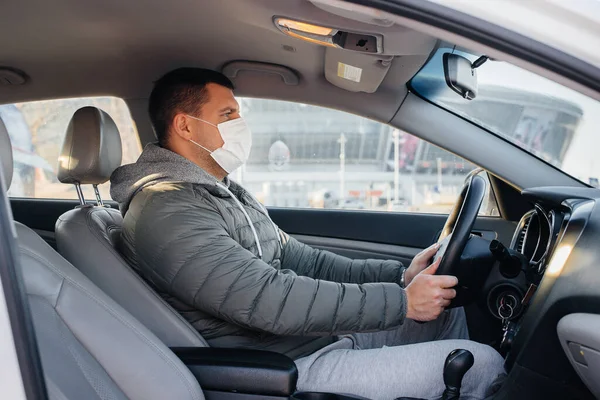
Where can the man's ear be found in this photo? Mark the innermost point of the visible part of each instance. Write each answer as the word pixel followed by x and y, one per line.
pixel 180 126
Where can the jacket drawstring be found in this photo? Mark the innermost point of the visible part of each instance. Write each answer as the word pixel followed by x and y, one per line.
pixel 239 204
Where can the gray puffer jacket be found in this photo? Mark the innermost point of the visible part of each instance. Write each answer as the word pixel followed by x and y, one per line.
pixel 211 250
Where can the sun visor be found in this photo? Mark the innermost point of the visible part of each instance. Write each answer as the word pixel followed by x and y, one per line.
pixel 356 72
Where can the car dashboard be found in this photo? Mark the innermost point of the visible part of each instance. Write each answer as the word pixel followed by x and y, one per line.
pixel 535 239
pixel 558 239
pixel 537 234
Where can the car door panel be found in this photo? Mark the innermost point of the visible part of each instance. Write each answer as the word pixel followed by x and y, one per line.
pixel 359 249
pixel 363 234
pixel 354 234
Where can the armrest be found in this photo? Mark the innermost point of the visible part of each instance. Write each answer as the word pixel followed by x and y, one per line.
pixel 240 370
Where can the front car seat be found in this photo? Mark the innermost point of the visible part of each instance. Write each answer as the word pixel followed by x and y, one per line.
pixel 88 235
pixel 90 347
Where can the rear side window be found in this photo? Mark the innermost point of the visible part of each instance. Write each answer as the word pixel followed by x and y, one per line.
pixel 37 130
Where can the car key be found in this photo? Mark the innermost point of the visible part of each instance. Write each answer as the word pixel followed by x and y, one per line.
pixel 505 311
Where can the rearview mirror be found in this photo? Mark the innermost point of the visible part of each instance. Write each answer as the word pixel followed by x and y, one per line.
pixel 460 75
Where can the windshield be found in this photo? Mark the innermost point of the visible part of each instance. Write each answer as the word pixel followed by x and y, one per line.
pixel 542 117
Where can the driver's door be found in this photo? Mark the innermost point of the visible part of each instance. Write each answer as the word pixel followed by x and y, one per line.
pixel 367 234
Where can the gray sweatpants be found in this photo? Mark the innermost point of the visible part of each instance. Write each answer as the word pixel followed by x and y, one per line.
pixel 363 364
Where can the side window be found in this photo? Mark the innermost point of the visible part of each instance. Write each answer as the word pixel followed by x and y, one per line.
pixel 313 157
pixel 37 130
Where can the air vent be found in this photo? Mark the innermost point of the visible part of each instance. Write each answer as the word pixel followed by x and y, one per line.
pixel 522 235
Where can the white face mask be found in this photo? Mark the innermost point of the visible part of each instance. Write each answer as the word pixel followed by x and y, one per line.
pixel 237 142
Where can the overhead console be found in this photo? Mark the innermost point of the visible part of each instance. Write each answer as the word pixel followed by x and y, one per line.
pixel 356 61
pixel 331 37
pixel 360 47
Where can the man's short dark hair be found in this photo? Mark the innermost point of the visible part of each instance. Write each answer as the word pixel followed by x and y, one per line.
pixel 181 90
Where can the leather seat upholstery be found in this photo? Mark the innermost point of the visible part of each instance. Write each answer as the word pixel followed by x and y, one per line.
pixel 91 149
pixel 88 236
pixel 89 346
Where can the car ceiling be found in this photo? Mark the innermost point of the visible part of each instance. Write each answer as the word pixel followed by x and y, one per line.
pixel 72 48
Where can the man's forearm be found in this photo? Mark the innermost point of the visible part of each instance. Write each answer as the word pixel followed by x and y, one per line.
pixel 320 264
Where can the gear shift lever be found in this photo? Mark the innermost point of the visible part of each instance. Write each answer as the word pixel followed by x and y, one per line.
pixel 457 364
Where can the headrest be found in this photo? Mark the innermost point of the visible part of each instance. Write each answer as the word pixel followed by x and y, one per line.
pixel 6 154
pixel 91 150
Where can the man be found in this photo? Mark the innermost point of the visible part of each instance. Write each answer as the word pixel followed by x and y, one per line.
pixel 211 250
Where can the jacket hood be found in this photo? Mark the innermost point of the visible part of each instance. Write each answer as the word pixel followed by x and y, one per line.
pixel 155 165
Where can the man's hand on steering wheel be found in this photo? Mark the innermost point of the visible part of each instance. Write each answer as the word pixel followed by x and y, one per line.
pixel 429 294
pixel 420 262
pixel 429 290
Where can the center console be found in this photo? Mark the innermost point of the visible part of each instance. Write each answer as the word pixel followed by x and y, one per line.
pixel 242 374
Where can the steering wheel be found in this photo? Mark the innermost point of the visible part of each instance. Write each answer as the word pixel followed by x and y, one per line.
pixel 457 230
